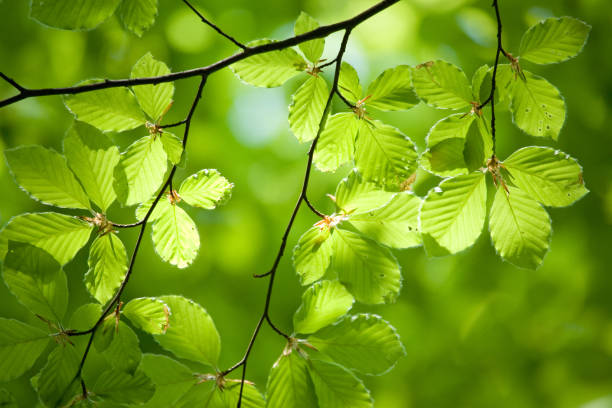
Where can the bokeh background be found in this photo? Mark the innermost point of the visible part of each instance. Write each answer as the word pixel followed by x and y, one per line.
pixel 478 332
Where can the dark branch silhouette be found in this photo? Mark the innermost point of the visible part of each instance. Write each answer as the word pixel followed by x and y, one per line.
pixel 214 26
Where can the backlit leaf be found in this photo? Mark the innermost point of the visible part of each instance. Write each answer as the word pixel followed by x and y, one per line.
pixel 354 195
pixel 312 254
pixel 175 236
pixel 107 267
pixel 153 99
pixel 72 14
pixel 123 388
pixel 149 314
pixel 307 108
pixel 20 346
pixel 336 144
pixel 57 382
pixel 206 189
pixel 336 387
pixel 392 90
pixel 289 383
pixel 322 304
pixel 441 85
pixel 348 83
pixel 137 15
pixel 312 49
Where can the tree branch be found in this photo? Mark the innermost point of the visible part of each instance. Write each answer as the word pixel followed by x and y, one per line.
pixel 214 27
pixel 10 81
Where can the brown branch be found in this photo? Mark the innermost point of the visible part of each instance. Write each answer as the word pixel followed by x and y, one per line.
pixel 213 26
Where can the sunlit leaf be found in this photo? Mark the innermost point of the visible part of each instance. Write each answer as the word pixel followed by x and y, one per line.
pixel 20 346
pixel 149 314
pixel 137 15
pixel 336 387
pixel 312 255
pixel 107 267
pixel 175 236
pixel 354 195
pixel 289 383
pixel 312 49
pixel 206 189
pixel 307 108
pixel 173 146
pixel 72 14
pixel 336 144
pixel 481 83
pixel 348 83
pixel 441 85
pixel 392 90
pixel 322 304
pixel 153 99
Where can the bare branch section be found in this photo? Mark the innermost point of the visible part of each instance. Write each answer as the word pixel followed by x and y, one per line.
pixel 214 26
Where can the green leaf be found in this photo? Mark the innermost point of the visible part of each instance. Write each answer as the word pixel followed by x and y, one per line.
pixel 481 83
pixel 395 224
pixel 37 280
pixel 105 334
pixel 107 267
pixel 364 342
pixel 312 49
pixel 520 228
pixel 149 314
pixel 336 143
pixel 137 15
pixel 171 378
pixel 175 237
pixel 336 387
pixel 354 195
pixel 72 14
pixel 7 400
pixel 251 397
pixel 370 272
pixel 60 235
pixel 92 157
pixel 173 146
pixel 554 40
pixel 123 388
pixel 57 381
pixel 20 346
pixel 453 214
pixel 191 333
pixel 140 171
pixel 307 108
pixel 478 146
pixel 312 255
pixel 269 69
pixel 289 384
pixel 441 85
pixel 153 99
pixel 45 176
pixel 383 154
pixel 206 189
pixel 163 205
pixel 110 110
pixel 123 353
pixel 322 304
pixel 392 90
pixel 547 175
pixel 348 83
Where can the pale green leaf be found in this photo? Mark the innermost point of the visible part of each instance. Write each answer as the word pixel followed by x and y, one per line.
pixel 348 83
pixel 322 304
pixel 307 108
pixel 175 237
pixel 206 189
pixel 85 316
pixel 554 40
pixel 72 14
pixel 354 195
pixel 395 224
pixel 141 170
pixel 289 384
pixel 107 267
pixel 173 146
pixel 478 146
pixel 336 387
pixel 191 333
pixel 312 255
pixel 149 314
pixel 37 280
pixel 392 90
pixel 364 342
pixel 163 205
pixel 137 15
pixel 481 83
pixel 312 49
pixel 92 157
pixel 112 109
pixel 520 228
pixel 171 378
pixel 123 388
pixel 336 144
pixel 269 69
pixel 153 99
pixel 370 272
pixel 123 353
pixel 547 175
pixel 44 174
pixel 20 346
pixel 441 85
pixel 57 382
pixel 251 397
pixel 453 214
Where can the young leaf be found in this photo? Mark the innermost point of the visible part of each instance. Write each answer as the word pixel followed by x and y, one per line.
pixel 312 49
pixel 307 108
pixel 336 144
pixel 191 333
pixel 107 267
pixel 395 224
pixel 520 228
pixel 57 382
pixel 173 146
pixel 322 304
pixel 392 90
pixel 251 397
pixel 45 176
pixel 369 271
pixel 554 40
pixel 105 334
pixel 37 280
pixel 354 195
pixel 124 353
pixel 20 346
pixel 312 254
pixel 92 157
pixel 348 83
pixel 163 206
pixel 140 171
pixel 137 15
pixel 206 189
pixel 441 85
pixel 336 387
pixel 364 342
pixel 60 235
pixel 269 69
pixel 481 83
pixel 149 314
pixel 383 154
pixel 123 388
pixel 289 384
pixel 549 176
pixel 171 378
pixel 110 110
pixel 153 99
pixel 453 214
pixel 175 237
pixel 72 14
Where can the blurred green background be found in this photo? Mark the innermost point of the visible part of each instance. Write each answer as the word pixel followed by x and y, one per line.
pixel 479 332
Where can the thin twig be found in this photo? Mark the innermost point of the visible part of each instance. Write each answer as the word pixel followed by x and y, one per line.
pixel 171 125
pixel 12 82
pixel 213 26
pixel 312 208
pixel 346 101
pixel 135 224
